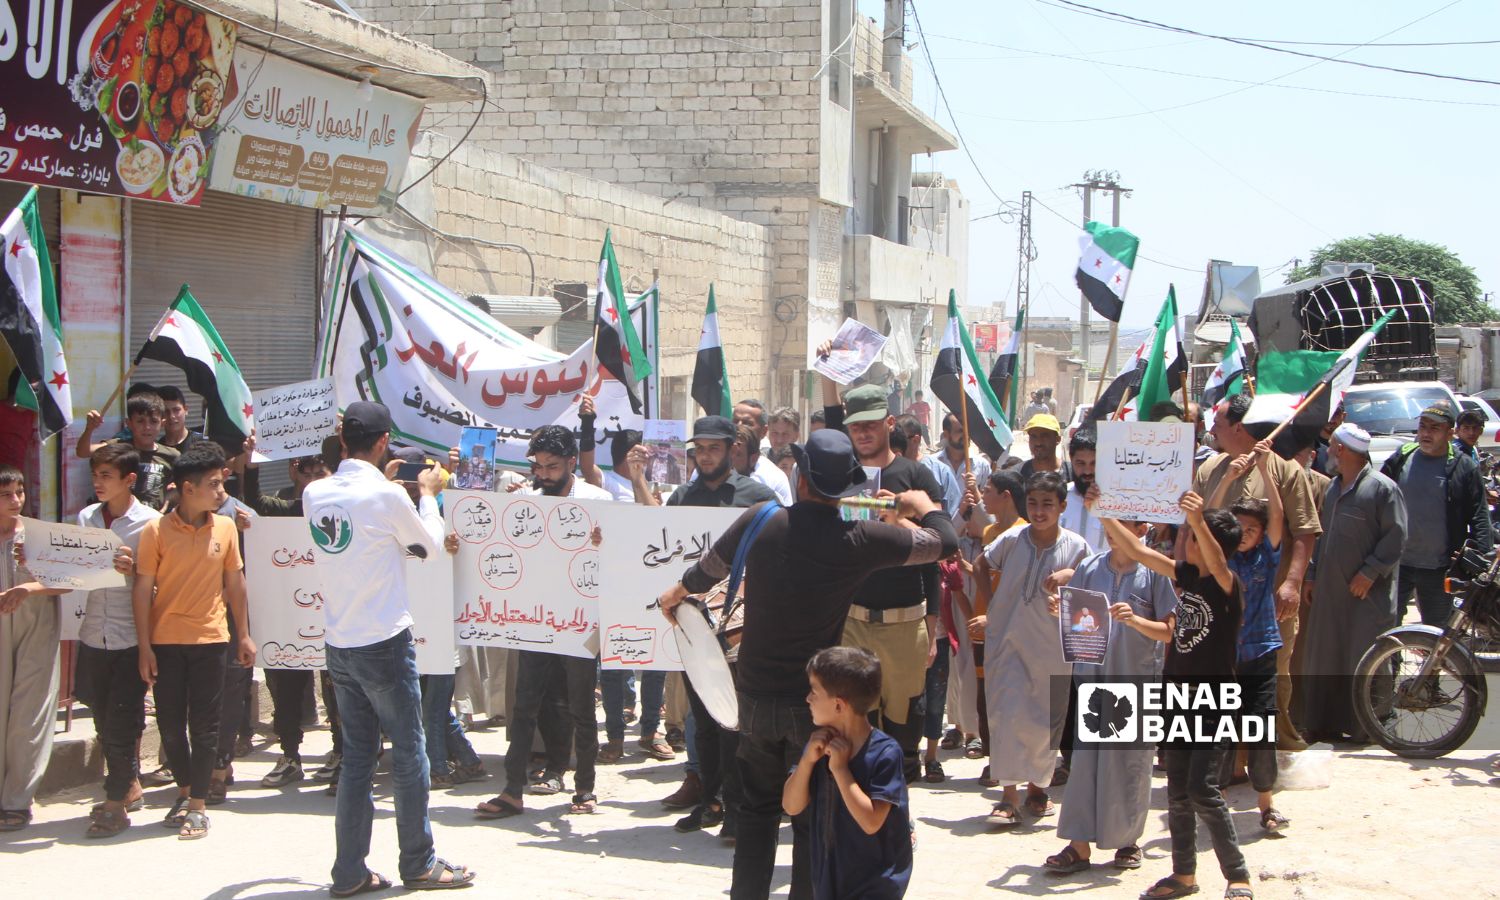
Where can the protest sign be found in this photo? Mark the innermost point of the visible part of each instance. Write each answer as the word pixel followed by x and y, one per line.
pixel 526 575
pixel 1083 622
pixel 71 556
pixel 286 600
pixel 294 419
pixel 1142 470
pixel 476 460
pixel 70 609
pixel 855 348
pixel 644 550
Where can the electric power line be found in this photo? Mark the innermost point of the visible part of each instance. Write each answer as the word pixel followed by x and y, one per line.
pixel 1074 7
pixel 943 95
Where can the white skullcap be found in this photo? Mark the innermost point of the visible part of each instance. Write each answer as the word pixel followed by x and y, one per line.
pixel 1353 437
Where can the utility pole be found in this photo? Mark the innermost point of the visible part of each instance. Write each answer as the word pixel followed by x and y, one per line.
pixel 1024 255
pixel 1108 182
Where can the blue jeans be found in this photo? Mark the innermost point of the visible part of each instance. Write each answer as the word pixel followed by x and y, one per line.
pixel 613 685
pixel 1434 603
pixel 378 691
pixel 445 735
pixel 690 734
pixel 937 691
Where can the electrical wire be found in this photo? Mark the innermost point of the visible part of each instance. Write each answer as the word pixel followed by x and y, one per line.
pixel 1075 7
pixel 943 95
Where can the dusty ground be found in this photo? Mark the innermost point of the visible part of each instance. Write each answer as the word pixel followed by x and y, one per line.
pixel 1386 828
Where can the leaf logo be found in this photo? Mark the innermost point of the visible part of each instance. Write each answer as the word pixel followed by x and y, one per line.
pixel 1107 712
pixel 332 529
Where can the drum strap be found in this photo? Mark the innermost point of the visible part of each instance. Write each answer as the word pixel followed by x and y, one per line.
pixel 741 553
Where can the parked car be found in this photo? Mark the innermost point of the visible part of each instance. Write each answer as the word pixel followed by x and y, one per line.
pixel 1389 411
pixel 1469 403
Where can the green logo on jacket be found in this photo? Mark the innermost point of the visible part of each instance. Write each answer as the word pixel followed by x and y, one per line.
pixel 332 529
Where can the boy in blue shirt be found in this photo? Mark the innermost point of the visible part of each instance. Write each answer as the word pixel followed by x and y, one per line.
pixel 1255 563
pixel 851 779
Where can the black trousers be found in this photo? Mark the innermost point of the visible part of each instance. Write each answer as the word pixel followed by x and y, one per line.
pixel 234 712
pixel 189 689
pixel 773 733
pixel 290 689
pixel 1257 680
pixel 117 696
pixel 1192 794
pixel 717 749
pixel 571 680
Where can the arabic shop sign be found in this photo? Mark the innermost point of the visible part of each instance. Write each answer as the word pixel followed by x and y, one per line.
pixel 305 137
pixel 112 96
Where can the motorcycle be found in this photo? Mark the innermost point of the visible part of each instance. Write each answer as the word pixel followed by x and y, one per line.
pixel 1419 691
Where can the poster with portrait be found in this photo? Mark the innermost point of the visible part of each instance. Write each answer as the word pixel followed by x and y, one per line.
pixel 1083 622
pixel 476 460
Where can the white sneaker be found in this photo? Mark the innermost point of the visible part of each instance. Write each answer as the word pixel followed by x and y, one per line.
pixel 286 772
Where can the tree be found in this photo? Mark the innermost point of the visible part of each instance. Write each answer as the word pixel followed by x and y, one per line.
pixel 1455 287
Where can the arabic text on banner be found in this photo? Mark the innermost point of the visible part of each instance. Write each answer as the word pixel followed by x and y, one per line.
pixel 70 610
pixel 71 556
pixel 1083 621
pixel 286 600
pixel 644 551
pixel 855 347
pixel 396 336
pixel 292 420
pixel 1143 468
pixel 526 575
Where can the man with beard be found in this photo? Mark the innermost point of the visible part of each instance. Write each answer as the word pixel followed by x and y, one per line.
pixel 1043 434
pixel 554 457
pixel 1076 517
pixel 894 617
pixel 959 456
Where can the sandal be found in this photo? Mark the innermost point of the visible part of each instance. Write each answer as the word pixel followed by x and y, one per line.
pixel 550 784
pixel 107 823
pixel 177 814
pixel 218 791
pixel 1239 893
pixel 985 781
pixel 1039 805
pixel 1128 857
pixel 1273 821
pixel 498 808
pixel 657 748
pixel 1067 862
pixel 470 772
pixel 1003 814
pixel 1173 888
pixel 584 804
pixel 974 749
pixel 611 751
pixel 373 882
pixel 458 876
pixel 134 805
pixel 194 825
pixel 14 819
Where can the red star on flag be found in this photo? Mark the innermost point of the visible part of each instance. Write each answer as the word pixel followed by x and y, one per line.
pixel 1126 410
pixel 406 310
pixel 971 378
pixel 614 314
pixel 15 248
pixel 1098 262
pixel 990 422
pixel 218 357
pixel 1117 279
pixel 248 410
pixel 58 379
pixel 171 322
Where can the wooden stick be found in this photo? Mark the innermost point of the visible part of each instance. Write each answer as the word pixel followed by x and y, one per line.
pixel 1312 395
pixel 963 399
pixel 1109 355
pixel 1249 384
pixel 115 395
pixel 1125 397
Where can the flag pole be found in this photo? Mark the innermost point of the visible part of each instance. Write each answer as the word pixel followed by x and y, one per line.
pixel 1109 355
pixel 115 394
pixel 649 399
pixel 125 379
pixel 964 419
pixel 1125 397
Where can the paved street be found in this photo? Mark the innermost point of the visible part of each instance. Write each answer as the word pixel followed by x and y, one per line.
pixel 1387 828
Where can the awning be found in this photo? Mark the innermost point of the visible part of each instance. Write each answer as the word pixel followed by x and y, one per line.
pixel 523 312
pixel 335 42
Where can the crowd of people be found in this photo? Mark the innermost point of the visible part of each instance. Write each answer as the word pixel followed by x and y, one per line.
pixel 857 640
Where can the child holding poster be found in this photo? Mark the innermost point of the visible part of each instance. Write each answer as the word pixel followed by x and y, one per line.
pixel 109 677
pixel 1109 787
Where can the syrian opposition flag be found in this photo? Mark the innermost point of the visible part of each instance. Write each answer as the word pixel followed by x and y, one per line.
pixel 1228 377
pixel 1284 390
pixel 1126 385
pixel 186 339
pixel 1003 380
pixel 1166 366
pixel 710 378
pixel 29 320
pixel 1108 255
pixel 956 382
pixel 618 345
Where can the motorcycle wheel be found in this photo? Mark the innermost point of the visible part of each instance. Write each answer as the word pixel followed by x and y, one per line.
pixel 1436 718
pixel 1484 642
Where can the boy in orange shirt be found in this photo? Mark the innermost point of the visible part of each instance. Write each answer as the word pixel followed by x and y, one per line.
pixel 188 573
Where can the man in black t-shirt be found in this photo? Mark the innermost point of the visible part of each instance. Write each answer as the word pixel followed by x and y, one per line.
pixel 805 566
pixel 894 617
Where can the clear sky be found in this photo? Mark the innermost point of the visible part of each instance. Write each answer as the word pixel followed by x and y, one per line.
pixel 1222 166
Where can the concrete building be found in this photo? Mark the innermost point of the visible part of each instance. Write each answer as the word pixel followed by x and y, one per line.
pixel 794 121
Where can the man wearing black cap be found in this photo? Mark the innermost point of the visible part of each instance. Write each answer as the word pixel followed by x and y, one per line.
pixel 717 485
pixel 363 528
pixel 805 566
pixel 1445 506
pixel 896 617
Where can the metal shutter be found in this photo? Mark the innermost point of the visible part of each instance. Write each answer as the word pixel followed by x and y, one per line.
pixel 251 264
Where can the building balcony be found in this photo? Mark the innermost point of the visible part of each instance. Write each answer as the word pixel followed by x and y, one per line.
pixel 887 272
